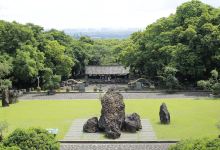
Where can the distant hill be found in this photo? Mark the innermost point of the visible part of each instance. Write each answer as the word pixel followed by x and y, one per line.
pixel 103 33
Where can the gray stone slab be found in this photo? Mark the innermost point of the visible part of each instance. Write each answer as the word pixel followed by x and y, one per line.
pixel 75 133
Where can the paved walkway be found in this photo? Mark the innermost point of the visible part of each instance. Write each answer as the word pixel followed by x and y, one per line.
pixel 75 133
pixel 72 96
pixel 115 146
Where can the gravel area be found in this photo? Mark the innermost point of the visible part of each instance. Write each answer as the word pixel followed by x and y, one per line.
pixel 137 95
pixel 115 146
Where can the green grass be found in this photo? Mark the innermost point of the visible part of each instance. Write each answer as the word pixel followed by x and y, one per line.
pixel 189 118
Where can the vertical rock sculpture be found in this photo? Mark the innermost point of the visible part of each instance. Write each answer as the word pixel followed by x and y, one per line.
pixel 5 98
pixel 13 96
pixel 112 114
pixel 112 120
pixel 164 114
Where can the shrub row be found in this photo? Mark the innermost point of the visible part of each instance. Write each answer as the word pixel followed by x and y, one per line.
pixel 197 144
pixel 30 139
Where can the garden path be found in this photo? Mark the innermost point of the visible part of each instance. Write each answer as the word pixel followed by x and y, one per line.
pixel 129 95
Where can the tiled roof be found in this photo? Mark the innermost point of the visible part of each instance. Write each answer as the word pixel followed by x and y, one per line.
pixel 102 70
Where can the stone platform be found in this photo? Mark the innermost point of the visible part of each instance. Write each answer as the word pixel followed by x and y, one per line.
pixel 145 139
pixel 76 133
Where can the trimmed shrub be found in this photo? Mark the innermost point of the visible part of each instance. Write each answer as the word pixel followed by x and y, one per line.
pixel 9 148
pixel 214 74
pixel 197 144
pixel 216 89
pixel 171 82
pixel 52 82
pixel 204 84
pixel 212 84
pixel 34 139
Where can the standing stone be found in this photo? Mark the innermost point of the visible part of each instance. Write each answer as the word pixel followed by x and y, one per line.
pixel 138 86
pixel 164 114
pixel 13 96
pixel 91 125
pixel 112 114
pixel 81 87
pixel 5 98
pixel 132 123
pixel 112 120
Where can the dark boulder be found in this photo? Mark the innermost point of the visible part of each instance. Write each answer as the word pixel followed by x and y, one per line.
pixel 132 123
pixel 164 114
pixel 112 114
pixel 91 125
pixel 5 98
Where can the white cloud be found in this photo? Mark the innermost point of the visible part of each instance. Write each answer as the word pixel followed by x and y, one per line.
pixel 89 13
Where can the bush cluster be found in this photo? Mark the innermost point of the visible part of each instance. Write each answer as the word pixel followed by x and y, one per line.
pixel 31 139
pixel 197 144
pixel 213 83
pixel 9 148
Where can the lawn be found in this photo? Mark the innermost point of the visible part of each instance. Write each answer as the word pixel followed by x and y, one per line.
pixel 189 117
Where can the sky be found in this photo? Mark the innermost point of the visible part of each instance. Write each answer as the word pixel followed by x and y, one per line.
pixel 72 14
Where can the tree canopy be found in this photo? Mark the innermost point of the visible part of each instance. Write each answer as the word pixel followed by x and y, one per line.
pixel 28 51
pixel 188 41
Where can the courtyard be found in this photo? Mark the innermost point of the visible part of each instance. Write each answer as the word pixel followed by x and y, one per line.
pixel 190 117
pixel 123 75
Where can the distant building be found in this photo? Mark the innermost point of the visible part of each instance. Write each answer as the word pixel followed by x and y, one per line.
pixel 107 74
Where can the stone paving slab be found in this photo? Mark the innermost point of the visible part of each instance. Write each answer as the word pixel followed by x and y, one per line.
pixel 75 133
pixel 115 146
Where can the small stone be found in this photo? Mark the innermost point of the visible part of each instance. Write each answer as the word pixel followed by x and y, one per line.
pixel 164 114
pixel 132 123
pixel 91 125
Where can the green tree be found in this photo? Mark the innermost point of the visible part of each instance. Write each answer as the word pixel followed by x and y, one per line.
pixel 13 35
pixel 171 81
pixel 50 81
pixel 27 63
pixel 5 70
pixel 57 60
pixel 187 40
